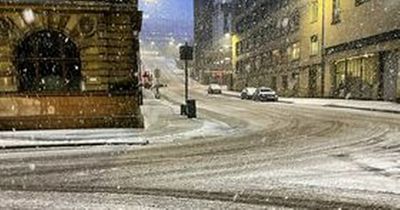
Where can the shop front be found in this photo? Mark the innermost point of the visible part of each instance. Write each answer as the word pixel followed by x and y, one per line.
pixel 358 77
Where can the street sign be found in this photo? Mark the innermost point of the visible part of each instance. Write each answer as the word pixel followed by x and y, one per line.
pixel 186 52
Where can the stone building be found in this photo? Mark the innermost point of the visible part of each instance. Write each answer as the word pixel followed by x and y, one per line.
pixel 202 36
pixel 318 48
pixel 266 44
pixel 213 48
pixel 69 64
pixel 362 49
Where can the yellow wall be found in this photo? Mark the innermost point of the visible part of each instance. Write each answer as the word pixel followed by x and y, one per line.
pixel 357 22
pixel 235 40
pixel 309 28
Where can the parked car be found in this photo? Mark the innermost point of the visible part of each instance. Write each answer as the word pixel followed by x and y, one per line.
pixel 265 94
pixel 214 89
pixel 247 93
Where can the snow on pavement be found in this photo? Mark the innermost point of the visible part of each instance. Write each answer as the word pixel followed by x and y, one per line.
pixel 163 124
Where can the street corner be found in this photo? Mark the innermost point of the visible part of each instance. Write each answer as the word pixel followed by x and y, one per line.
pixel 174 127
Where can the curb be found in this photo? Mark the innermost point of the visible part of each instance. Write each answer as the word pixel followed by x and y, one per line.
pixel 331 105
pixel 362 108
pixel 38 146
pixel 237 96
pixel 269 198
pixel 230 95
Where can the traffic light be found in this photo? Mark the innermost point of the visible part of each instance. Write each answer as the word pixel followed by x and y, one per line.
pixel 186 52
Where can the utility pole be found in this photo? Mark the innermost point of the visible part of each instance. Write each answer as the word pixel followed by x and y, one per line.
pixel 186 77
pixel 323 63
pixel 157 74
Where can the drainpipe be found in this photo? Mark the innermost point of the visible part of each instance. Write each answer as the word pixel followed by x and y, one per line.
pixel 323 62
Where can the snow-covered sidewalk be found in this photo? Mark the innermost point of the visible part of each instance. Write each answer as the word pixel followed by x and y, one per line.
pixel 163 125
pixel 67 138
pixel 380 106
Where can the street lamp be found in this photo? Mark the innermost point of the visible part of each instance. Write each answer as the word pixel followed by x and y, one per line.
pixel 28 16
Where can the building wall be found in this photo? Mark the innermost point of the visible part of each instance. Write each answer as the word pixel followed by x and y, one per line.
pixel 366 29
pixel 106 36
pixel 398 77
pixel 202 35
pixel 310 26
pixel 213 40
pixel 356 22
pixel 106 51
pixel 311 59
pixel 363 30
pixel 390 73
pixel 267 30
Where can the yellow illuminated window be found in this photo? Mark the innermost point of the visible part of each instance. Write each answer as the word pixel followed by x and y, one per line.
pixel 294 51
pixel 314 45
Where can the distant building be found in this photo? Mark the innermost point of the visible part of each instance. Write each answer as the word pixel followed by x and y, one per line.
pixel 266 44
pixel 213 41
pixel 69 64
pixel 319 48
pixel 165 36
pixel 163 32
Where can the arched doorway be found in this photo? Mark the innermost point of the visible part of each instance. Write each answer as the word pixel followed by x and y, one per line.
pixel 48 61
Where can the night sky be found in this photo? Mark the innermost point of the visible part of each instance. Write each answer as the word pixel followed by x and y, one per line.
pixel 167 16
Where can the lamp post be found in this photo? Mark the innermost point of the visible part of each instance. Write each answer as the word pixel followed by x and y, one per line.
pixel 323 63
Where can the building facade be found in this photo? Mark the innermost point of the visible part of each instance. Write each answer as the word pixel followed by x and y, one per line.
pixel 266 45
pixel 365 62
pixel 318 48
pixel 213 48
pixel 69 65
pixel 202 36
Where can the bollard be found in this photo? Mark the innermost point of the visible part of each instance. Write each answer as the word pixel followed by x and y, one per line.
pixel 183 109
pixel 191 108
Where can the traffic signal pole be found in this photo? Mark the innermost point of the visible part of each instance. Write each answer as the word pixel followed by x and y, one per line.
pixel 186 79
pixel 189 106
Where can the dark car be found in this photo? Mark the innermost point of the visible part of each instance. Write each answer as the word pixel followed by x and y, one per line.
pixel 247 93
pixel 265 94
pixel 214 89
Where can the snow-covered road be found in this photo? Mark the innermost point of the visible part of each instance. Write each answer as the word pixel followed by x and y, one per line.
pixel 277 154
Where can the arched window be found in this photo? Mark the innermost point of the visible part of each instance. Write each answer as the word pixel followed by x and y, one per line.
pixel 48 61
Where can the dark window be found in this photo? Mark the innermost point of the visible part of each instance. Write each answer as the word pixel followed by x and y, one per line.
pixel 295 20
pixel 48 61
pixel 273 83
pixel 227 24
pixel 285 83
pixel 359 2
pixel 238 48
pixel 336 11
